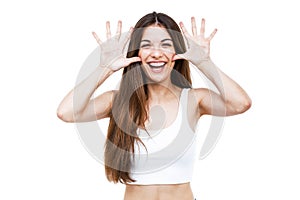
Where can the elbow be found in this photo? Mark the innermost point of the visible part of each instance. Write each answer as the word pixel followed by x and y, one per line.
pixel 64 116
pixel 238 107
pixel 243 106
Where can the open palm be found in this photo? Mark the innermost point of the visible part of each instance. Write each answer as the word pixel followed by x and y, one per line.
pixel 198 46
pixel 112 50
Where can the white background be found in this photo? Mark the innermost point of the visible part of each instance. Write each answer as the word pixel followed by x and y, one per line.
pixel 43 45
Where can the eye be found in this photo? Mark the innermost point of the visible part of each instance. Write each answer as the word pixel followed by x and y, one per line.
pixel 145 46
pixel 166 45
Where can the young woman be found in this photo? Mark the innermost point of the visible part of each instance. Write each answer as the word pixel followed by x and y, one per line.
pixel 153 115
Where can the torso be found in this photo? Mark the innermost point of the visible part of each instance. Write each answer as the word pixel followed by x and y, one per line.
pixel 159 192
pixel 167 191
pixel 171 105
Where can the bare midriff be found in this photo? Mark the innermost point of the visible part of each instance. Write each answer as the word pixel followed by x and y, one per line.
pixel 159 192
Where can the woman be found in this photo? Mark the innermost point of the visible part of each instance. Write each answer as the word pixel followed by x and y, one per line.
pixel 150 142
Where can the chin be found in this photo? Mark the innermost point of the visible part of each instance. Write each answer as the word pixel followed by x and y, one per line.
pixel 158 78
pixel 157 74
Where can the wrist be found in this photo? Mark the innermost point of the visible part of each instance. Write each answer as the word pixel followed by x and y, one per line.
pixel 102 73
pixel 105 69
pixel 204 63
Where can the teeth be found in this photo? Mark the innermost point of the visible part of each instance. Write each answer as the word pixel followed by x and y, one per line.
pixel 157 64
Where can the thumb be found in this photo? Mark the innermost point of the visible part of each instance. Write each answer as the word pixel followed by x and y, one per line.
pixel 178 57
pixel 133 59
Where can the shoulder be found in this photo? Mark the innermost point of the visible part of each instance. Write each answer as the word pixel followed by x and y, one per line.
pixel 110 93
pixel 199 93
pixel 107 96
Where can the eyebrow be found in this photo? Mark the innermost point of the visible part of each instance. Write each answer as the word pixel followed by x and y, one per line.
pixel 167 39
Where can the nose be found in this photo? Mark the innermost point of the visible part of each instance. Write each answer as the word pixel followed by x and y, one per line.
pixel 156 53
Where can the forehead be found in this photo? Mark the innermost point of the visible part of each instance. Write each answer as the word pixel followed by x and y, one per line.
pixel 155 33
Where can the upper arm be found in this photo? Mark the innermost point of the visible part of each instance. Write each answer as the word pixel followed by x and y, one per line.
pixel 97 108
pixel 211 103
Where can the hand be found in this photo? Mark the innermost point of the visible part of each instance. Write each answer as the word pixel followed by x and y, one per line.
pixel 112 55
pixel 198 47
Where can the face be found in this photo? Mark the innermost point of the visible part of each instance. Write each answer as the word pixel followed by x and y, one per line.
pixel 156 52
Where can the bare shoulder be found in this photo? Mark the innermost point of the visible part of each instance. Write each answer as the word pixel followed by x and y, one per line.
pixel 200 98
pixel 107 96
pixel 103 103
pixel 199 93
pixel 111 93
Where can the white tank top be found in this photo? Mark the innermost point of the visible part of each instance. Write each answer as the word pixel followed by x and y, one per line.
pixel 170 152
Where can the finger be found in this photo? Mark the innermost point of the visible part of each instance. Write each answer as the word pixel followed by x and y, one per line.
pixel 185 32
pixel 178 57
pixel 127 37
pixel 212 34
pixel 133 59
pixel 97 38
pixel 108 33
pixel 194 27
pixel 119 29
pixel 202 29
pixel 125 40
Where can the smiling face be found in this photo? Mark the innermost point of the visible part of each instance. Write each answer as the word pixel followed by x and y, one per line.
pixel 156 52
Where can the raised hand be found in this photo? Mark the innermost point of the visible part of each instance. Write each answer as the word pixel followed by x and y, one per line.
pixel 112 54
pixel 198 46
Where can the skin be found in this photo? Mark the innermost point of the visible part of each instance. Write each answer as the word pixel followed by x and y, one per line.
pixel 156 47
pixel 159 192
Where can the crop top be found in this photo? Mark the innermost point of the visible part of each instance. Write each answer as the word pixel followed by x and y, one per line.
pixel 170 152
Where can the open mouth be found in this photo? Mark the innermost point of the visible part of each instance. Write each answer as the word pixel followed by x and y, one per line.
pixel 156 67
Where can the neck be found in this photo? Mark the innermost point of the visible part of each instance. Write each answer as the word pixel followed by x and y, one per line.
pixel 158 91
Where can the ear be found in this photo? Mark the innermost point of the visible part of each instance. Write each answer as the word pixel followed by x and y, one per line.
pixel 178 57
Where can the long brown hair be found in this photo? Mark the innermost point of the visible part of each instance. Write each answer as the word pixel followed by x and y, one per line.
pixel 129 108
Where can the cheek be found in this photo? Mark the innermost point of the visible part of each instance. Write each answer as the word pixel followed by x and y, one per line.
pixel 170 56
pixel 143 54
pixel 169 53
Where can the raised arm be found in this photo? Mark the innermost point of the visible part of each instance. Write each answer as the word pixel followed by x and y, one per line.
pixel 112 59
pixel 232 98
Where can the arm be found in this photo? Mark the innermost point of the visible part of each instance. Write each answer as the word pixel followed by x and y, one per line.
pixel 84 108
pixel 231 99
pixel 77 106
